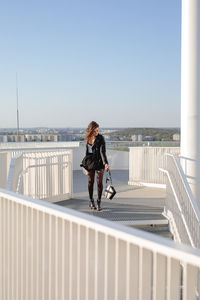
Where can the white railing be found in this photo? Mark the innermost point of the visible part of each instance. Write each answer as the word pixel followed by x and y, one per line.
pixel 5 159
pixel 15 171
pixel 144 164
pixel 50 252
pixel 181 207
pixel 42 174
pixel 31 146
pixel 9 150
pixel 127 144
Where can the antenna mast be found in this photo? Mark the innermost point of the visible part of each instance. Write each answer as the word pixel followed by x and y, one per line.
pixel 17 105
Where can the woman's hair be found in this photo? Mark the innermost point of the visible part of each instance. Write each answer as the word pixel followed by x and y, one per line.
pixel 90 130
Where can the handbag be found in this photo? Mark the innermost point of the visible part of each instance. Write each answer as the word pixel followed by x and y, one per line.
pixel 109 190
pixel 85 172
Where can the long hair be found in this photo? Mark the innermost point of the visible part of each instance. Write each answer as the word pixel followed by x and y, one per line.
pixel 90 130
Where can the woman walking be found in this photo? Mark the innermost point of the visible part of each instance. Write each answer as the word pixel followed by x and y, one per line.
pixel 95 146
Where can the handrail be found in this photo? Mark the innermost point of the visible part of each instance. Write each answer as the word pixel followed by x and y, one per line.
pixel 187 187
pixel 12 170
pixel 54 182
pixel 185 202
pixel 179 206
pixel 146 239
pixel 31 146
pixel 64 254
pixel 23 172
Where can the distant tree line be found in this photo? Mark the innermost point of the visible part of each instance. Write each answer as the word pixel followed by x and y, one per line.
pixel 159 134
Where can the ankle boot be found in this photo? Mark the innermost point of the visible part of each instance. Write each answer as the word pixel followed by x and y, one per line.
pixel 99 205
pixel 91 204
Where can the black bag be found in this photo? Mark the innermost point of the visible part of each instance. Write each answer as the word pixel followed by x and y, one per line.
pixel 88 162
pixel 109 190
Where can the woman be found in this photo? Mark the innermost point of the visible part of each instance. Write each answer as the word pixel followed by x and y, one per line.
pixel 95 146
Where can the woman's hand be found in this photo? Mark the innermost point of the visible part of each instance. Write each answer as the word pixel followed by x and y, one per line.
pixel 107 167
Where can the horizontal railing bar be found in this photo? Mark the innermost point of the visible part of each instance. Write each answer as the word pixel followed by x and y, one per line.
pixel 48 164
pixel 59 154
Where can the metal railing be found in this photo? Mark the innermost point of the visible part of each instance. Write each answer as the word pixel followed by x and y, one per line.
pixel 42 174
pixel 31 146
pixel 50 252
pixel 15 171
pixel 181 207
pixel 5 159
pixel 9 150
pixel 144 164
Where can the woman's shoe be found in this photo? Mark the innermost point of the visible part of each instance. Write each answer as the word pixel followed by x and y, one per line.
pixel 91 204
pixel 99 205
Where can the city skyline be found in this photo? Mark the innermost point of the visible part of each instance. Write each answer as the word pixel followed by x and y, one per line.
pixel 116 63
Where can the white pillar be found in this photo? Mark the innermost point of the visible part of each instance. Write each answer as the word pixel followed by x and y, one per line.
pixel 190 92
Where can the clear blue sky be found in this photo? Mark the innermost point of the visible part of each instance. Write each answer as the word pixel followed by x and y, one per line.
pixel 113 61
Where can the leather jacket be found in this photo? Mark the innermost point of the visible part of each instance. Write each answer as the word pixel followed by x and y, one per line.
pixel 99 152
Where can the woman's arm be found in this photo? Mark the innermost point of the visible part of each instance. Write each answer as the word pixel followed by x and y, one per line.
pixel 86 149
pixel 103 153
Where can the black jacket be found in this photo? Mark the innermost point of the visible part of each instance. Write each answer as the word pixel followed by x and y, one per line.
pixel 99 152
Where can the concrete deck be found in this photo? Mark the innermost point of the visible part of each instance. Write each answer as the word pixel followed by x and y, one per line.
pixel 132 205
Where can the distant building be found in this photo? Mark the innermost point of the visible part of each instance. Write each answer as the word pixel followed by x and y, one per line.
pixel 65 137
pixel 134 138
pixel 137 138
pixel 59 138
pixel 105 131
pixel 12 138
pixel 20 138
pixel 3 138
pixel 140 137
pixel 149 138
pixel 176 137
pixel 107 137
pixel 54 138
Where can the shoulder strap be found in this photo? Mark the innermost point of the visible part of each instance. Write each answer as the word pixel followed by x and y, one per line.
pixel 108 176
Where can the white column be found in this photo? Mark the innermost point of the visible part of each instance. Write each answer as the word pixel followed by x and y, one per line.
pixel 190 92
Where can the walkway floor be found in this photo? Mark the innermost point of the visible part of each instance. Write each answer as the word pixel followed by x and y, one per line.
pixel 132 205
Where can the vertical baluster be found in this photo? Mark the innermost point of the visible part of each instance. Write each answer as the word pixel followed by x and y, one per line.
pixel 1 248
pixel 78 262
pixel 111 259
pixel 67 259
pixel 134 274
pixel 173 279
pixel 106 269
pixel 63 261
pixel 70 261
pixel 56 245
pixel 128 262
pixel 145 274
pixel 4 247
pixel 159 276
pixel 190 282
pixel 91 264
pixel 121 270
pixel 83 262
